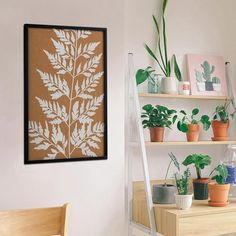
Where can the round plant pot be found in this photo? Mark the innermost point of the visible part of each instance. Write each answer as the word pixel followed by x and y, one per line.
pixel 220 130
pixel 193 132
pixel 200 188
pixel 157 134
pixel 183 202
pixel 169 85
pixel 218 194
pixel 163 194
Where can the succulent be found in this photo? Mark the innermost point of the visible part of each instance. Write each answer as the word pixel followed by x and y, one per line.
pixel 207 71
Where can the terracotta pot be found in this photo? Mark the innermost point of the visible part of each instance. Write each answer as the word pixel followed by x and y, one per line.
pixel 193 132
pixel 220 130
pixel 156 134
pixel 218 194
pixel 200 188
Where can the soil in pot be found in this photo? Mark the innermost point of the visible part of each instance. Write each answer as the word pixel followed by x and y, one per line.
pixel 193 132
pixel 200 188
pixel 163 194
pixel 156 134
pixel 218 194
pixel 220 130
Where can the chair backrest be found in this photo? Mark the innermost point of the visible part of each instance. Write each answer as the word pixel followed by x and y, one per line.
pixel 34 222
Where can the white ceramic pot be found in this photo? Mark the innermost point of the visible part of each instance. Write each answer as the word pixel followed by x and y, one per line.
pixel 201 86
pixel 183 202
pixel 169 85
pixel 216 87
pixel 184 87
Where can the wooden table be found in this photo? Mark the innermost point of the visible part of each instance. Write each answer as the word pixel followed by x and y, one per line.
pixel 200 219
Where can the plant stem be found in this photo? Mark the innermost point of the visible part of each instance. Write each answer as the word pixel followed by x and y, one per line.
pixel 71 93
pixel 168 168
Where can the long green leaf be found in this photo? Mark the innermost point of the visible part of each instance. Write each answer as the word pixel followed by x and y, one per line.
pixel 176 69
pixel 159 40
pixel 164 6
pixel 165 39
pixel 155 58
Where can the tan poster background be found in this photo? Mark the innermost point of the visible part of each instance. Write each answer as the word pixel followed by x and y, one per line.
pixel 66 94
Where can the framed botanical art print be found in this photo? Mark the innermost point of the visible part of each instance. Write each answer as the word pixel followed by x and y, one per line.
pixel 65 97
pixel 207 75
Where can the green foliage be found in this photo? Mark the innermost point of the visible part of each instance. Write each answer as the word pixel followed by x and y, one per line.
pixel 222 112
pixel 207 71
pixel 182 182
pixel 222 174
pixel 142 75
pixel 199 161
pixel 162 58
pixel 158 116
pixel 199 77
pixel 216 80
pixel 183 123
pixel 176 68
pixel 173 160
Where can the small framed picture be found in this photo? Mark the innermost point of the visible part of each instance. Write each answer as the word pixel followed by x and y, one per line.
pixel 65 95
pixel 207 75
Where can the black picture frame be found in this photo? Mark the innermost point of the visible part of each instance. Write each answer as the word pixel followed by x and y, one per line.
pixel 27 28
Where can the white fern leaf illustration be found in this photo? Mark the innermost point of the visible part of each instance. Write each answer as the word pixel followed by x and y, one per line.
pixel 53 111
pixel 88 49
pixel 57 63
pixel 55 84
pixel 75 110
pixel 83 34
pixel 89 109
pixel 60 48
pixel 62 36
pixel 90 66
pixel 88 85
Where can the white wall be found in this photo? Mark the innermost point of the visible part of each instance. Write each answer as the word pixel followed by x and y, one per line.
pixel 94 189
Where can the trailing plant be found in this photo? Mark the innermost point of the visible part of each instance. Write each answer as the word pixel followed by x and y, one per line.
pixel 222 174
pixel 182 182
pixel 70 106
pixel 183 123
pixel 222 112
pixel 158 116
pixel 199 161
pixel 173 160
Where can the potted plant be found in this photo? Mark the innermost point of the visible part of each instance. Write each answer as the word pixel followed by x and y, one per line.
pixel 183 198
pixel 220 123
pixel 156 118
pixel 200 185
pixel 150 75
pixel 190 125
pixel 219 190
pixel 165 193
pixel 169 83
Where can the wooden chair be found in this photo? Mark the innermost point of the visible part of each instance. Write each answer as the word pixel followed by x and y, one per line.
pixel 34 222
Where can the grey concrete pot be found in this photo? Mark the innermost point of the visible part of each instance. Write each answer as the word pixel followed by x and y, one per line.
pixel 163 194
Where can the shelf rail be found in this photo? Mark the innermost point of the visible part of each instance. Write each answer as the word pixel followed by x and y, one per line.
pixel 134 119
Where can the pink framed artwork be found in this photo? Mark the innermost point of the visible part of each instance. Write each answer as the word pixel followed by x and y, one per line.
pixel 207 75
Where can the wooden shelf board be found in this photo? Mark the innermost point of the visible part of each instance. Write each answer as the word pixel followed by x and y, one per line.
pixel 179 143
pixel 156 95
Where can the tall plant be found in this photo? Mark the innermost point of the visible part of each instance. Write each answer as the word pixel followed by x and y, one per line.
pixel 162 58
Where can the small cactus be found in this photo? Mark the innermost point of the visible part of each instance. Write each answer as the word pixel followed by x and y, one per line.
pixel 199 76
pixel 207 71
pixel 216 80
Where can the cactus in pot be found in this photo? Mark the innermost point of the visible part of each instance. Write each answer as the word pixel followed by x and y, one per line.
pixel 207 72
